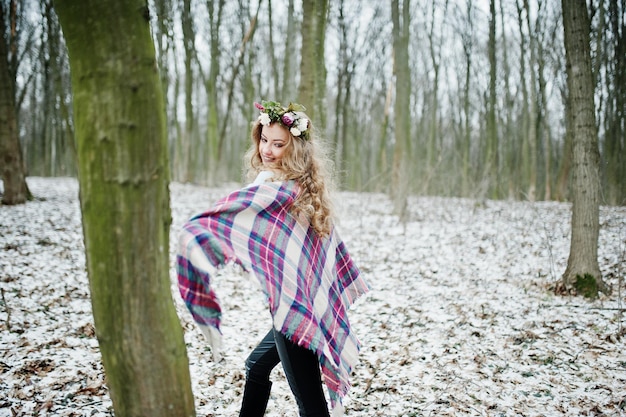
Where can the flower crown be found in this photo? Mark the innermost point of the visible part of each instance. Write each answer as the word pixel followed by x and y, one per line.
pixel 292 117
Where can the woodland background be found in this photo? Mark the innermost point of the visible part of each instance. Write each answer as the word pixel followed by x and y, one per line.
pixel 487 100
pixel 485 85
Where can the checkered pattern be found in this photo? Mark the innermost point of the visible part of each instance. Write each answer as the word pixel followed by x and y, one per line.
pixel 309 282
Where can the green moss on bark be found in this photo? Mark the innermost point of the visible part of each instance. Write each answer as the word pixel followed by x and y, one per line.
pixel 586 285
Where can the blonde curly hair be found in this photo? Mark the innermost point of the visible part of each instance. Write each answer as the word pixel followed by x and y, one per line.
pixel 306 162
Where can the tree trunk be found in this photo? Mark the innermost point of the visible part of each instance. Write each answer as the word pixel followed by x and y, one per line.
pixel 582 272
pixel 165 49
pixel 13 171
pixel 402 108
pixel 545 132
pixel 565 163
pixel 289 59
pixel 272 48
pixel 312 90
pixel 519 151
pixel 57 134
pixel 341 100
pixel 614 145
pixel 193 154
pixel 230 88
pixel 433 153
pixel 467 40
pixel 492 159
pixel 531 134
pixel 123 175
pixel 213 115
pixel 510 165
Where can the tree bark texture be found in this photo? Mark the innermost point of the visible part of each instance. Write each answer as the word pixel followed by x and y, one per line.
pixel 12 164
pixel 614 145
pixel 289 60
pixel 213 116
pixel 585 185
pixel 193 152
pixel 531 135
pixel 402 107
pixel 312 87
pixel 123 176
pixel 492 157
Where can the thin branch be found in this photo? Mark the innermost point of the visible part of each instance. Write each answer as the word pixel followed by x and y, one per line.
pixel 231 85
pixel 591 308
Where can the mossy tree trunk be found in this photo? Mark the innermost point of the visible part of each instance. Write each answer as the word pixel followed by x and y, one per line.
pixel 585 186
pixel 123 175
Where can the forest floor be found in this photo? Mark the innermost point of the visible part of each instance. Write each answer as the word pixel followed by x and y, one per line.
pixel 462 319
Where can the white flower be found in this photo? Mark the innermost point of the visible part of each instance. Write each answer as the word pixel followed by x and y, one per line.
pixel 295 131
pixel 303 124
pixel 264 118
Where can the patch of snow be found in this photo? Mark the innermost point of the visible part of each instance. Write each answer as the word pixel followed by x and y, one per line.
pixel 461 319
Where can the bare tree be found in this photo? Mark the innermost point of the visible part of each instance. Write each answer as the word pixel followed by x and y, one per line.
pixel 497 125
pixel 582 272
pixel 402 107
pixel 123 177
pixel 247 38
pixel 434 34
pixel 491 158
pixel 613 58
pixel 346 148
pixel 509 130
pixel 312 89
pixel 13 170
pixel 192 153
pixel 289 58
pixel 533 110
pixel 55 130
pixel 467 41
pixel 216 9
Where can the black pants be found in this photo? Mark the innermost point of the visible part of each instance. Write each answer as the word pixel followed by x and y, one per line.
pixel 301 368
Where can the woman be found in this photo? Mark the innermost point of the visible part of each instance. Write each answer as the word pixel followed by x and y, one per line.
pixel 281 229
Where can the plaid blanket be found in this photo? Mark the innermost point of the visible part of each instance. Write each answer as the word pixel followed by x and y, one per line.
pixel 309 282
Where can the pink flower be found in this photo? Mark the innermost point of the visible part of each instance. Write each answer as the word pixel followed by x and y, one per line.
pixel 288 119
pixel 258 106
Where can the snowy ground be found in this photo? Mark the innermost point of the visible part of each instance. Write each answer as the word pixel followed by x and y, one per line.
pixel 461 320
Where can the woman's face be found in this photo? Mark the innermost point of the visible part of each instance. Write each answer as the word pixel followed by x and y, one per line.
pixel 273 143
